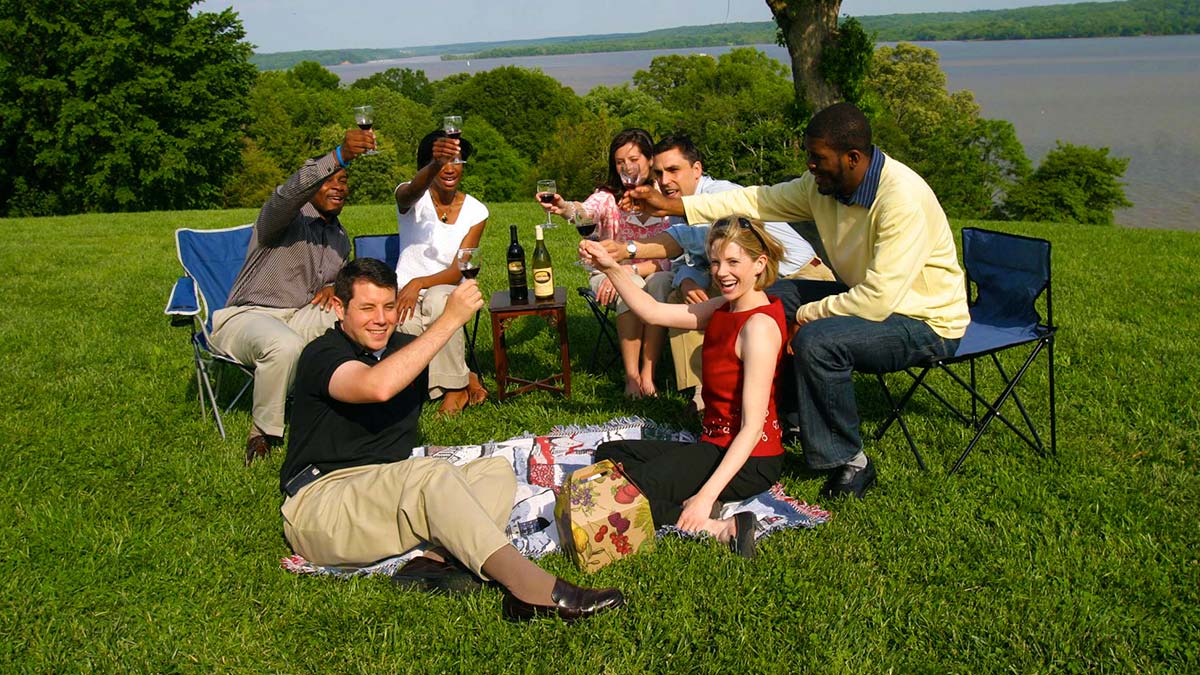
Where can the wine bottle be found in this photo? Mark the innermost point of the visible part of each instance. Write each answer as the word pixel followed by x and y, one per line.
pixel 543 274
pixel 518 291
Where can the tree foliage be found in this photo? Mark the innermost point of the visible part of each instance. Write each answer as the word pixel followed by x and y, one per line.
pixel 523 105
pixel 412 84
pixel 970 162
pixel 1073 184
pixel 117 106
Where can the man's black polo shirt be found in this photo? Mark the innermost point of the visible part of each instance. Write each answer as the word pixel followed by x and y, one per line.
pixel 334 435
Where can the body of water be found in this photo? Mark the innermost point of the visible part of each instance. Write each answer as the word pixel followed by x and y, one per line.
pixel 1137 96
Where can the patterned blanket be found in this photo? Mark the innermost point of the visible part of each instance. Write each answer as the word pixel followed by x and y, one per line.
pixel 542 464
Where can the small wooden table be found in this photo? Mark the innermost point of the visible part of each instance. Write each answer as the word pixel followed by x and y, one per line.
pixel 554 312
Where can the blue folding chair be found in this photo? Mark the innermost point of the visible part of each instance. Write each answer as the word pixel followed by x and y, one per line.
pixel 211 261
pixel 1006 274
pixel 386 247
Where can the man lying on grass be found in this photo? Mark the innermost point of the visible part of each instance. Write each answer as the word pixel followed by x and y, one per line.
pixel 356 495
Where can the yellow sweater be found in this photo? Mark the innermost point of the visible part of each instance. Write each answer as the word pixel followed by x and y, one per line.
pixel 897 256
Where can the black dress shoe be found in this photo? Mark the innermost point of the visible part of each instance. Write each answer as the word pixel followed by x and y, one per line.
pixel 426 574
pixel 849 481
pixel 743 543
pixel 571 603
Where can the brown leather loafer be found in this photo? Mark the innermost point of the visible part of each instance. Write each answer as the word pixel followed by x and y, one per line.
pixel 571 603
pixel 426 574
pixel 257 446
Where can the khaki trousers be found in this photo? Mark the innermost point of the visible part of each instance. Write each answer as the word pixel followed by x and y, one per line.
pixel 359 515
pixel 271 340
pixel 448 369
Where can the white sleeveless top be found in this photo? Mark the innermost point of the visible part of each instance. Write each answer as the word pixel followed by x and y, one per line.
pixel 427 245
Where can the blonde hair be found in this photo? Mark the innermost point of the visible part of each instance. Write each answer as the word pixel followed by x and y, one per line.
pixel 753 238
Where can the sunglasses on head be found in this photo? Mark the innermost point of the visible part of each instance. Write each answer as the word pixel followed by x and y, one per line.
pixel 743 224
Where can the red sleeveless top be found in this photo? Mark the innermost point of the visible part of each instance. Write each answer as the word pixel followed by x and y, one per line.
pixel 723 376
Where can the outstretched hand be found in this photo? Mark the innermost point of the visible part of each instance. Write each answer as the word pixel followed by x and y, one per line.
pixel 323 298
pixel 445 149
pixel 464 302
pixel 356 142
pixel 595 254
pixel 648 200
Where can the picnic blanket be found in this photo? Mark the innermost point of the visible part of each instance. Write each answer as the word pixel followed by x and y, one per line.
pixel 542 463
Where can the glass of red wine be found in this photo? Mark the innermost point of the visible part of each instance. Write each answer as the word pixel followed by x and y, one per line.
pixel 630 174
pixel 452 125
pixel 546 190
pixel 467 260
pixel 364 117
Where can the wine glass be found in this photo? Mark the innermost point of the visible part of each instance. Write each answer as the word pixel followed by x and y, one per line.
pixel 452 125
pixel 364 117
pixel 630 174
pixel 468 261
pixel 546 189
pixel 586 227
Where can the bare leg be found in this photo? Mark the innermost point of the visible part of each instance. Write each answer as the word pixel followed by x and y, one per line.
pixel 629 329
pixel 476 392
pixel 653 338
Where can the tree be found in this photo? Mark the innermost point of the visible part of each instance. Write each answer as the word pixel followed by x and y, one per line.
pixel 116 106
pixel 807 28
pixel 412 84
pixel 970 162
pixel 737 109
pixel 523 105
pixel 1073 184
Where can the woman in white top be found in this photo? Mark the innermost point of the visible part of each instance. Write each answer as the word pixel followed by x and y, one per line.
pixel 435 220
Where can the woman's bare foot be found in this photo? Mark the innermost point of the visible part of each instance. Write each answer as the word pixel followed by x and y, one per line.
pixel 648 388
pixel 476 392
pixel 454 401
pixel 633 388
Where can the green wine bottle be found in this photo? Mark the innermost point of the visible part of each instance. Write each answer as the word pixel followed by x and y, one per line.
pixel 543 274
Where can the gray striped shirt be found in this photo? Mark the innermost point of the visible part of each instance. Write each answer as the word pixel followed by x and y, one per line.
pixel 294 252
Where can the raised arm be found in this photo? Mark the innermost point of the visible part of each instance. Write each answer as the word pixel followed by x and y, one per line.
pixel 356 382
pixel 287 199
pixel 407 194
pixel 757 346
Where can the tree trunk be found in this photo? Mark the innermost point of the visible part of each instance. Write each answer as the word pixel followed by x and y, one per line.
pixel 808 26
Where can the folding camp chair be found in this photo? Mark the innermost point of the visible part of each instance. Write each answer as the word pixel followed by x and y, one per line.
pixel 606 330
pixel 211 261
pixel 1006 274
pixel 386 247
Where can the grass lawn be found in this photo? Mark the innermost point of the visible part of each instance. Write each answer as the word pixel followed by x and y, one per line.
pixel 132 538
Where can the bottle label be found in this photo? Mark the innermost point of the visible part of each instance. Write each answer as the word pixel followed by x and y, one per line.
pixel 543 283
pixel 516 267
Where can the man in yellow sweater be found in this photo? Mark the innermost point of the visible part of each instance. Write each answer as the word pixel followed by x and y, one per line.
pixel 901 297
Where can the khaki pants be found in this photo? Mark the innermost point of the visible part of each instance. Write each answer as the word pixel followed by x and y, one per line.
pixel 359 515
pixel 814 271
pixel 271 340
pixel 448 369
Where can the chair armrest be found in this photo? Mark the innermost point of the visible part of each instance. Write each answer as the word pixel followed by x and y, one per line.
pixel 183 301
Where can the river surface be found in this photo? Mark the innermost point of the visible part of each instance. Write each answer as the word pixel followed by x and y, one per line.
pixel 1138 96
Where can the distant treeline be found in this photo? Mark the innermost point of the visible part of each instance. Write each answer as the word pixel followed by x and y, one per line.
pixel 1089 19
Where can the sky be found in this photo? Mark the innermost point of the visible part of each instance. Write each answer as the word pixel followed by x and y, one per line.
pixel 293 25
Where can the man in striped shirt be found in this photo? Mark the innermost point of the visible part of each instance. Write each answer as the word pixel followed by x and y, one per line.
pixel 282 297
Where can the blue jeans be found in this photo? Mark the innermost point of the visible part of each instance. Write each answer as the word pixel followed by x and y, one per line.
pixel 828 351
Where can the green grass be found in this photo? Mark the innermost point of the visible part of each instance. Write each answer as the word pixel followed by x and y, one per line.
pixel 134 540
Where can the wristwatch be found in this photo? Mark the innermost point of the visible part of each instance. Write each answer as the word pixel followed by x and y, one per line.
pixel 632 248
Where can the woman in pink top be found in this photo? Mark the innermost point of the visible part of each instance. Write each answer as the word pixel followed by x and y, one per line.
pixel 630 152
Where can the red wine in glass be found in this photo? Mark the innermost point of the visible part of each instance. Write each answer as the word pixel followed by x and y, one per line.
pixel 546 197
pixel 585 229
pixel 470 272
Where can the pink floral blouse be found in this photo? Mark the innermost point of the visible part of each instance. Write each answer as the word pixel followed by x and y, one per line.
pixel 614 223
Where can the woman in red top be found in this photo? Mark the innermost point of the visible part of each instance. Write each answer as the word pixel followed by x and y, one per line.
pixel 740 453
